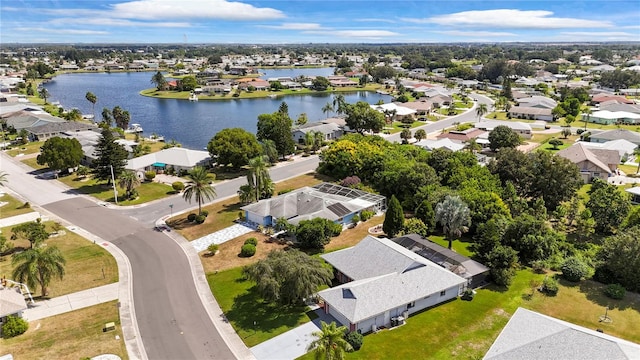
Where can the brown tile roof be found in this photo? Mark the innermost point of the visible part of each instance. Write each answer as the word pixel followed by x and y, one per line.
pixel 461 135
pixel 577 153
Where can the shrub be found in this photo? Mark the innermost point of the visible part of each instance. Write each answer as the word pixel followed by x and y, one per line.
pixel 192 217
pixel 177 186
pixel 205 213
pixel 550 286
pixel 213 248
pixel 350 181
pixel 14 326
pixel 615 291
pixel 200 219
pixel 574 269
pixel 502 277
pixel 253 241
pixel 355 339
pixel 241 215
pixel 467 295
pixel 248 250
pixel 355 219
pixel 366 215
pixel 538 267
pixel 150 175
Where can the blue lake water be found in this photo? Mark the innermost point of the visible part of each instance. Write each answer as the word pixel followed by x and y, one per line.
pixel 192 124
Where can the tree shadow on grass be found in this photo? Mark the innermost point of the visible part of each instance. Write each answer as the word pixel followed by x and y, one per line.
pixel 250 313
pixel 594 291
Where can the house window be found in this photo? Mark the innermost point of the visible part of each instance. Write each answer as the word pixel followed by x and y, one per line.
pixel 411 304
pixel 596 174
pixel 443 292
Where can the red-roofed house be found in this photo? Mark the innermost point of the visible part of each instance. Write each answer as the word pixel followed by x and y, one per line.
pixel 600 98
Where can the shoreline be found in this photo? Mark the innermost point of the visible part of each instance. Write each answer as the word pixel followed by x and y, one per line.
pixel 184 95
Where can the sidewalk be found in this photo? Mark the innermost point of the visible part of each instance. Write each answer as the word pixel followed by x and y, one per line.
pixel 71 302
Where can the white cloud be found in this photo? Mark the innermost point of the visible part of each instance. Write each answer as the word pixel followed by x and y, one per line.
pixel 117 22
pixel 62 31
pixel 475 33
pixel 512 18
pixel 294 26
pixel 369 34
pixel 200 9
pixel 598 34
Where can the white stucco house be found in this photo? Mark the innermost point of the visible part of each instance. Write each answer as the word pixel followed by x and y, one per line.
pixel 384 283
pixel 175 157
pixel 12 303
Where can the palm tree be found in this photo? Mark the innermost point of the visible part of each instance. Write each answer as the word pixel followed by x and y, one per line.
pixel 159 81
pixel 318 140
pixel 129 181
pixel 481 110
pixel 454 216
pixel 92 98
pixel 340 104
pixel 308 141
pixel 420 134
pixel 588 113
pixel 327 109
pixel 44 93
pixel 473 146
pixel 258 175
pixel 199 186
pixel 3 178
pixel 246 194
pixel 330 343
pixel 38 265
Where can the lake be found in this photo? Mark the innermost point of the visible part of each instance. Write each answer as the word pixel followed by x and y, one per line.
pixel 192 124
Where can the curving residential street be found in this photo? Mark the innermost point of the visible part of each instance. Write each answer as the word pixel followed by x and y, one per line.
pixel 176 315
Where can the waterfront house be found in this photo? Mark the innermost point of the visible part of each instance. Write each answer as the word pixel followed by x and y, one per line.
pixel 179 159
pixel 329 131
pixel 383 283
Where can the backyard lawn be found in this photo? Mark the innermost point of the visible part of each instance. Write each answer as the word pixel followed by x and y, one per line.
pixel 12 207
pixel 253 319
pixel 73 335
pixel 466 330
pixel 88 265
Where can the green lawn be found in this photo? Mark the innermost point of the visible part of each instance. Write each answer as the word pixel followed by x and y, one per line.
pixel 465 330
pixel 628 169
pixel 243 307
pixel 461 246
pixel 30 148
pixel 88 265
pixel 13 207
pixel 147 191
pixel 397 126
pixel 33 162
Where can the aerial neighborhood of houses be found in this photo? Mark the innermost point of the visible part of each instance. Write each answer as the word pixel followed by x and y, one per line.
pixel 482 206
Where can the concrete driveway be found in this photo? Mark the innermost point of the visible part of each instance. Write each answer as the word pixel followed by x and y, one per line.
pixel 293 343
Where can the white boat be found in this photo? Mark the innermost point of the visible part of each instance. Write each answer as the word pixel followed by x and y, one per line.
pixel 193 97
pixel 134 129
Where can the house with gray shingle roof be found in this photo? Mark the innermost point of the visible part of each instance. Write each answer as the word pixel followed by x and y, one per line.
pixel 329 130
pixel 328 201
pixel 616 134
pixel 384 282
pixel 592 162
pixel 533 336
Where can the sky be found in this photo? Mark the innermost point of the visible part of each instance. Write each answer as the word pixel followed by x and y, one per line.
pixel 309 21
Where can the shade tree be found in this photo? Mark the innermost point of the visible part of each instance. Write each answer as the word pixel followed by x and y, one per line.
pixel 60 153
pixel 234 147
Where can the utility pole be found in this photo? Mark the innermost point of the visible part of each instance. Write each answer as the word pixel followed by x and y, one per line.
pixel 113 180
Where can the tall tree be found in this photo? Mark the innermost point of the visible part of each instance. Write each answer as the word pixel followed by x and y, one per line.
pixel 277 127
pixel 503 137
pixel 121 117
pixel 327 109
pixel 107 118
pixel 361 117
pixel 394 218
pixel 159 81
pixel 109 155
pixel 199 186
pixel 60 153
pixel 269 150
pixel 619 259
pixel 608 205
pixel 288 277
pixel 420 134
pixel 44 94
pixel 258 176
pixel 93 99
pixel 454 216
pixel 34 231
pixel 481 110
pixel 330 343
pixel 38 266
pixel 129 181
pixel 234 146
pixel 340 104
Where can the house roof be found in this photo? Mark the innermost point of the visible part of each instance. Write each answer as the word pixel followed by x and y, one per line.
pixel 623 147
pixel 615 106
pixel 577 153
pixel 599 98
pixel 530 110
pixel 400 110
pixel 58 127
pixel 441 143
pixel 531 335
pixel 634 190
pixel 323 127
pixel 327 201
pixel 489 125
pixel 11 301
pixel 173 156
pixel 616 134
pixel 380 266
pixel 26 119
pixel 537 101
